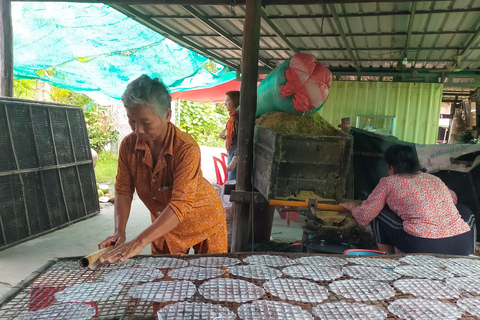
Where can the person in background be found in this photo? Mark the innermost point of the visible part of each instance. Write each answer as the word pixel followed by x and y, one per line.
pixel 162 164
pixel 230 133
pixel 414 212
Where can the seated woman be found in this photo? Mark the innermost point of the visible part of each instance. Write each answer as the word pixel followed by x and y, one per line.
pixel 420 216
pixel 162 164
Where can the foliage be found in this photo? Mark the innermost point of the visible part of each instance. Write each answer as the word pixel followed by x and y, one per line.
pixel 24 89
pixel 203 121
pixel 106 168
pixel 69 97
pixel 101 130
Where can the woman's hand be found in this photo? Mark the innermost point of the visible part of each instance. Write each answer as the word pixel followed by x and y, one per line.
pixel 114 240
pixel 122 252
pixel 350 206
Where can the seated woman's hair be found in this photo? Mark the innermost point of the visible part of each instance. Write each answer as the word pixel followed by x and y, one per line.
pixel 146 91
pixel 234 96
pixel 403 159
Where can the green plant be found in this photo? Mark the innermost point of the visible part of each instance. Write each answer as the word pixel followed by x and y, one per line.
pixel 101 130
pixel 106 168
pixel 24 89
pixel 203 121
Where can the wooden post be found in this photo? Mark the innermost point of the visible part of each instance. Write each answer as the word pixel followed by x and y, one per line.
pixel 6 49
pixel 248 108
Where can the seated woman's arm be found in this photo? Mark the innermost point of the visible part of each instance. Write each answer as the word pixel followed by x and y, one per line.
pixel 371 207
pixel 454 196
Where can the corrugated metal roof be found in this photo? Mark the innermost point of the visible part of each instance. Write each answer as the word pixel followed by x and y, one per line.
pixel 376 32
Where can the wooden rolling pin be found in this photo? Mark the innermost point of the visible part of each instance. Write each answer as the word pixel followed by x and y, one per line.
pixel 91 260
pixel 301 204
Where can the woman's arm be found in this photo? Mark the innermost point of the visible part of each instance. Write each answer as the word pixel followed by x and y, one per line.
pixel 166 222
pixel 223 134
pixel 371 207
pixel 454 196
pixel 232 164
pixel 122 207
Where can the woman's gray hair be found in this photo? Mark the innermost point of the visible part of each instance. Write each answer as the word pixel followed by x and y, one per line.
pixel 147 91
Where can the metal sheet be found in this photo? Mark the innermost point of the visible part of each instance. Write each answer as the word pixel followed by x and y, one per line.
pixel 416 106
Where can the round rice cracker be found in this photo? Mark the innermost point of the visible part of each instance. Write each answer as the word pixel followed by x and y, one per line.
pixel 471 305
pixel 162 263
pixel 470 284
pixel 420 309
pixel 316 273
pixel 370 273
pixel 71 311
pixel 133 275
pixel 195 273
pixel 195 310
pixel 230 290
pixel 255 272
pixel 267 309
pixel 424 260
pixel 322 261
pixel 463 261
pixel 88 292
pixel 269 260
pixel 362 290
pixel 423 272
pixel 163 291
pixel 426 288
pixel 464 270
pixel 214 262
pixel 374 262
pixel 345 310
pixel 296 290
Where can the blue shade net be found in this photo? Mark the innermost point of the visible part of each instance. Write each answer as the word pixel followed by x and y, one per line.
pixel 92 47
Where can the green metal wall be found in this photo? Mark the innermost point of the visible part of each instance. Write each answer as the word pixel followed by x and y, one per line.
pixel 415 105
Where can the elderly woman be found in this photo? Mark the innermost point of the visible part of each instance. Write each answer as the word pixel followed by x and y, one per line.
pixel 230 133
pixel 421 216
pixel 162 164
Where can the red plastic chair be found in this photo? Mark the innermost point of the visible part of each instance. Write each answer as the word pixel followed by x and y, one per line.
pixel 224 158
pixel 217 162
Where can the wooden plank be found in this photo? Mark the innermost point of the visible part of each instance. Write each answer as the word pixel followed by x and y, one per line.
pixel 6 49
pixel 248 108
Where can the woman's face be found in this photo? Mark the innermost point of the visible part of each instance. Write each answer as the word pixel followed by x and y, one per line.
pixel 147 124
pixel 229 104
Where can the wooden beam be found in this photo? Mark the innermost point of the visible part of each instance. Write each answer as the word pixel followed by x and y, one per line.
pixel 172 35
pixel 6 49
pixel 206 21
pixel 409 30
pixel 248 108
pixel 336 19
pixel 277 31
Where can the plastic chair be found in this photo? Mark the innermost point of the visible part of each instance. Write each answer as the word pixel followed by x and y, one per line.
pixel 217 162
pixel 363 252
pixel 224 158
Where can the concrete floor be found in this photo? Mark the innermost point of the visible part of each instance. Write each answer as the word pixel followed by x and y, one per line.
pixel 82 238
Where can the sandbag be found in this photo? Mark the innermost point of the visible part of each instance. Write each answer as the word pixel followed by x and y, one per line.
pixel 299 85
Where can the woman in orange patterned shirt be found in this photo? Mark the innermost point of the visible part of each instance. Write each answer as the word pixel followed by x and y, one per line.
pixel 162 164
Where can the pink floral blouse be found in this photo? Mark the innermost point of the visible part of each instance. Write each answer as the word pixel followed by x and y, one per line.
pixel 425 204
